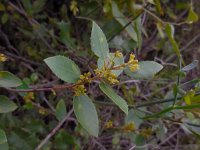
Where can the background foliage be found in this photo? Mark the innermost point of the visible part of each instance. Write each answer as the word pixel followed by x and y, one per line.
pixel 163 35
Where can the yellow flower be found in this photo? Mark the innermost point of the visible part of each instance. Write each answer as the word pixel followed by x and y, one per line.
pixel 109 124
pixel 74 7
pixel 28 97
pixel 118 54
pixel 2 58
pixel 79 89
pixel 133 63
pixel 42 111
pixel 147 132
pixel 129 127
pixel 107 75
pixel 86 77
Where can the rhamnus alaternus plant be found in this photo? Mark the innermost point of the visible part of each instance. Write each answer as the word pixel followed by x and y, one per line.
pixel 109 67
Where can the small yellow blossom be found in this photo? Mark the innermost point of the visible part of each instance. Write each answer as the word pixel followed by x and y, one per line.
pixel 74 7
pixel 129 127
pixel 98 72
pixel 86 77
pixel 42 111
pixel 2 58
pixel 79 89
pixel 107 75
pixel 53 92
pixel 118 54
pixel 146 133
pixel 133 63
pixel 109 124
pixel 28 97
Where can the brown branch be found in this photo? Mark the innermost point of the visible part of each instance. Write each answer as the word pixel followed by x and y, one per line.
pixel 45 140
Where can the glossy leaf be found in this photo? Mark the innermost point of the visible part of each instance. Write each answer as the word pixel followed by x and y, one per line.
pixel 86 114
pixel 3 140
pixel 123 21
pixel 60 110
pixel 64 68
pixel 8 79
pixel 119 101
pixel 6 105
pixel 98 42
pixel 147 69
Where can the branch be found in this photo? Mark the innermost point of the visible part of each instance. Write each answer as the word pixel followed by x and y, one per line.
pixel 45 140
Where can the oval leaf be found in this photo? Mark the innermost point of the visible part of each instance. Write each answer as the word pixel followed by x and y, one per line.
pixel 8 79
pixel 3 140
pixel 123 21
pixel 119 101
pixel 98 42
pixel 147 69
pixel 64 68
pixel 60 110
pixel 86 114
pixel 169 29
pixel 6 105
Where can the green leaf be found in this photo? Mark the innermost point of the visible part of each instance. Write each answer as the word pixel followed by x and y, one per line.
pixel 117 61
pixel 3 140
pixel 4 18
pixel 192 16
pixel 123 21
pixel 147 69
pixel 60 110
pixel 169 29
pixel 38 5
pixel 98 42
pixel 65 36
pixel 133 116
pixel 119 101
pixel 187 107
pixel 8 79
pixel 191 66
pixel 138 30
pixel 64 68
pixel 140 142
pixel 159 114
pixel 86 114
pixel 6 105
pixel 158 7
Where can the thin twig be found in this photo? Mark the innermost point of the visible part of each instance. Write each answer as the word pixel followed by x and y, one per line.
pixel 45 140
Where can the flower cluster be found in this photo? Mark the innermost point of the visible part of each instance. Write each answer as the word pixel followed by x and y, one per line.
pixel 2 58
pixel 118 54
pixel 42 111
pixel 146 132
pixel 74 7
pixel 109 124
pixel 86 77
pixel 129 127
pixel 80 87
pixel 133 63
pixel 107 75
pixel 105 72
pixel 29 97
